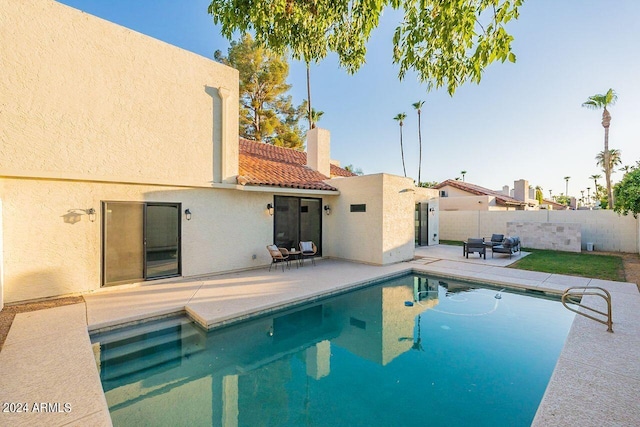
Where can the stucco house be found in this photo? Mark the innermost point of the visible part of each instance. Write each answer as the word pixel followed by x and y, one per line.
pixel 464 196
pixel 121 163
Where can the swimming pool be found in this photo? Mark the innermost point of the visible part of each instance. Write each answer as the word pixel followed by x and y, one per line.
pixel 414 350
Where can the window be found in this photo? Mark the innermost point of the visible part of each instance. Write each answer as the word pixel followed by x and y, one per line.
pixel 359 208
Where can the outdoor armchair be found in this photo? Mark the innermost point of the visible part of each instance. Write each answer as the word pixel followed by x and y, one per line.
pixel 309 250
pixel 278 255
pixel 475 245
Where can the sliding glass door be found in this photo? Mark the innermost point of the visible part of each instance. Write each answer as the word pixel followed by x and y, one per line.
pixel 141 241
pixel 297 219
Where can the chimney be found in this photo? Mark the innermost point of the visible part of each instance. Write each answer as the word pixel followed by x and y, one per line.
pixel 521 190
pixel 505 190
pixel 318 148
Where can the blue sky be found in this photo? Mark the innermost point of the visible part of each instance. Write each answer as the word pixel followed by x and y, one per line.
pixel 524 120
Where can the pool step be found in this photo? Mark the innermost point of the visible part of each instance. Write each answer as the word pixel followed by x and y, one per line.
pixel 150 348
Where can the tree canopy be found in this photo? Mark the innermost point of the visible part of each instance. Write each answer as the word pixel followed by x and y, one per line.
pixel 267 113
pixel 446 43
pixel 627 194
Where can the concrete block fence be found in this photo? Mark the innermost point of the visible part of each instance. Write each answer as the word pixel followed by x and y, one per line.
pixel 607 230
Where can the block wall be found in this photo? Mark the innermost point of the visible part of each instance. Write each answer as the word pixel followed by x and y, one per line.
pixel 565 237
pixel 607 230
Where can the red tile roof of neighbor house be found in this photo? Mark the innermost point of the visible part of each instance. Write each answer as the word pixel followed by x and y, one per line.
pixel 501 199
pixel 266 164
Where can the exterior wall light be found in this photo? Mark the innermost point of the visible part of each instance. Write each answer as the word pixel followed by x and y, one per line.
pixel 187 214
pixel 92 214
pixel 270 209
pixel 327 209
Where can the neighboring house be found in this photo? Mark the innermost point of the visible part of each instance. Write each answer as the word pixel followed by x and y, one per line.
pixel 463 196
pixel 121 163
pixel 551 205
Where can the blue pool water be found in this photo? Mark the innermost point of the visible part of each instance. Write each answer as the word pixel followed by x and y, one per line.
pixel 460 355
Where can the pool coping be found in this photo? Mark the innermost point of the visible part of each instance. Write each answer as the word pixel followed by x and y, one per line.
pixel 574 378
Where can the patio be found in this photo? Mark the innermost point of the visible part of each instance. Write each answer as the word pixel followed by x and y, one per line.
pixel 48 356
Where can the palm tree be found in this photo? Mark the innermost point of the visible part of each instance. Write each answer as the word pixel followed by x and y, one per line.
pixel 315 116
pixel 595 179
pixel 614 159
pixel 626 169
pixel 539 196
pixel 400 118
pixel 418 105
pixel 463 173
pixel 597 102
pixel 309 109
pixel 566 179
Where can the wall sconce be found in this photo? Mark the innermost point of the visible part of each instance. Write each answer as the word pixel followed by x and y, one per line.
pixel 187 214
pixel 270 208
pixel 327 209
pixel 92 214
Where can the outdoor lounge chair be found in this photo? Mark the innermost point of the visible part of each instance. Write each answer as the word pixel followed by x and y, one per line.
pixel 278 255
pixel 475 245
pixel 308 250
pixel 510 246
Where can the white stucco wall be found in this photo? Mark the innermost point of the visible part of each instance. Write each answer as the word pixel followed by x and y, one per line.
pixel 383 234
pixel 83 98
pixel 469 203
pixel 49 256
pixel 606 229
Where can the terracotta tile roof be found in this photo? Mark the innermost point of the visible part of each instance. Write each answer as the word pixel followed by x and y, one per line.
pixel 266 164
pixel 501 199
pixel 556 206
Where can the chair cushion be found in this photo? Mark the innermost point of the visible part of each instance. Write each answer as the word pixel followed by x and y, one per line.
pixel 272 248
pixel 306 246
pixel 508 242
pixel 497 237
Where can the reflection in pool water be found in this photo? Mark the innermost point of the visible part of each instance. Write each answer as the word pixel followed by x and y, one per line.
pixel 458 356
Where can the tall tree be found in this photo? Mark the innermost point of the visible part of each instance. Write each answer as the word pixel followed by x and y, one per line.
pixel 614 158
pixel 627 194
pixel 445 43
pixel 597 102
pixel 267 113
pixel 418 105
pixel 463 173
pixel 315 116
pixel 539 196
pixel 566 180
pixel 400 117
pixel 626 169
pixel 595 179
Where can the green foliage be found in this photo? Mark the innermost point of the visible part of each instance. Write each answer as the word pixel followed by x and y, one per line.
pixel 539 195
pixel 445 43
pixel 563 200
pixel 614 159
pixel 599 101
pixel 352 169
pixel 266 111
pixel 627 194
pixel 428 184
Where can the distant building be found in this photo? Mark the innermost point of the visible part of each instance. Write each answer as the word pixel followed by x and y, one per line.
pixel 463 196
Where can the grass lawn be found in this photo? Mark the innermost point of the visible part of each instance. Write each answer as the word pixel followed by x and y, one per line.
pixel 607 267
pixel 451 242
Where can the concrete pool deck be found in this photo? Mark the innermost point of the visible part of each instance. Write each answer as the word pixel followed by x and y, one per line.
pixel 47 357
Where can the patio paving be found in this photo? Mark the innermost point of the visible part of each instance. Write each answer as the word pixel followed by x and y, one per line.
pixel 48 355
